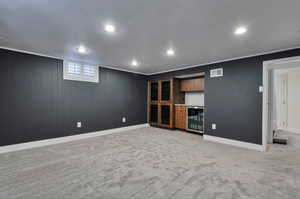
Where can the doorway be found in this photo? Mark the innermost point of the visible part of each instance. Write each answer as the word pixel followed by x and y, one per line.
pixel 281 98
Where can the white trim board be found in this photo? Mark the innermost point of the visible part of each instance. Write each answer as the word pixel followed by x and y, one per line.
pixel 290 130
pixel 41 143
pixel 236 143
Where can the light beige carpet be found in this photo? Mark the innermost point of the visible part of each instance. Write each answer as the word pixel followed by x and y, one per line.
pixel 150 163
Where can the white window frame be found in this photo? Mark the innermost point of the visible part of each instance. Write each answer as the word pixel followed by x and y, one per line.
pixel 81 76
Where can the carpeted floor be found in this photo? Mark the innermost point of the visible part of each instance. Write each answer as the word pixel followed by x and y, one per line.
pixel 150 163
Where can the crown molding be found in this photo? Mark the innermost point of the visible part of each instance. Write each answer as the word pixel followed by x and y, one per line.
pixel 224 60
pixel 61 58
pixel 160 72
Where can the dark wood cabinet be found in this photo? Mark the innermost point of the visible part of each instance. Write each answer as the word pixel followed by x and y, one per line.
pixel 162 95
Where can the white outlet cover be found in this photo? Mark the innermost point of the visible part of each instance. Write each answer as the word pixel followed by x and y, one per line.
pixel 123 119
pixel 78 124
pixel 214 126
pixel 261 89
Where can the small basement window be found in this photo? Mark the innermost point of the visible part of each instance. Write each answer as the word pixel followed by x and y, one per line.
pixel 80 72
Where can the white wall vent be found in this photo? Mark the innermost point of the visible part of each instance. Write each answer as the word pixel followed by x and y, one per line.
pixel 218 72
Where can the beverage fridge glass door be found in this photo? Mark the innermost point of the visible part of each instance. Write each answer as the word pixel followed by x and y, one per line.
pixel 195 119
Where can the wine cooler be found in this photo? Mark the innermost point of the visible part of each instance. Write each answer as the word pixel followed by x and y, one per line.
pixel 195 119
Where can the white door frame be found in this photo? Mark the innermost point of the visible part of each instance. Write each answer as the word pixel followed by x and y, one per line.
pixel 267 67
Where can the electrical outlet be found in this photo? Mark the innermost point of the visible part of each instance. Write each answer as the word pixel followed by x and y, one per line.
pixel 78 124
pixel 261 89
pixel 123 119
pixel 214 126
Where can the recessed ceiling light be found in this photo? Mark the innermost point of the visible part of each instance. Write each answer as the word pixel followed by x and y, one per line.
pixel 170 52
pixel 82 50
pixel 109 28
pixel 134 62
pixel 240 30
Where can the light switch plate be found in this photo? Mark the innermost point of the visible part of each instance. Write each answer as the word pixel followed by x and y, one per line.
pixel 123 119
pixel 78 124
pixel 214 126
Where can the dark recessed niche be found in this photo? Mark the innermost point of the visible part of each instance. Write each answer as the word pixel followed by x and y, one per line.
pixel 165 114
pixel 165 90
pixel 153 113
pixel 154 91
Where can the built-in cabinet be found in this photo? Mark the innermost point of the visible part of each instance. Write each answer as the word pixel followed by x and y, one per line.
pixel 180 117
pixel 162 95
pixel 192 85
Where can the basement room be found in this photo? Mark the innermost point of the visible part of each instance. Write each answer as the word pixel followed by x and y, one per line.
pixel 108 99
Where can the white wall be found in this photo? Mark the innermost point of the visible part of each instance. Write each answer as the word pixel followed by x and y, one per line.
pixel 279 99
pixel 194 98
pixel 287 99
pixel 293 101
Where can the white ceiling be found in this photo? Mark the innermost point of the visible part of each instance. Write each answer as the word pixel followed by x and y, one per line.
pixel 200 31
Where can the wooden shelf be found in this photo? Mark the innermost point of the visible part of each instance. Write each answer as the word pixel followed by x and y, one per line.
pixel 191 85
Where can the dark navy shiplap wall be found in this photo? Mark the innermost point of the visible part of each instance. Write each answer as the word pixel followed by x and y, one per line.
pixel 36 103
pixel 233 101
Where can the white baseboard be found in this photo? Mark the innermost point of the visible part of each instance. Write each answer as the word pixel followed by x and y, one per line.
pixel 291 130
pixel 29 145
pixel 246 145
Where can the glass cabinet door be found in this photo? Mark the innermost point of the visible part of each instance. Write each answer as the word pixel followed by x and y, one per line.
pixel 160 102
pixel 153 113
pixel 165 90
pixel 165 114
pixel 154 91
pixel 195 119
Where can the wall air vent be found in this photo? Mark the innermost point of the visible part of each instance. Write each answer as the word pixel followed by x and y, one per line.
pixel 218 72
